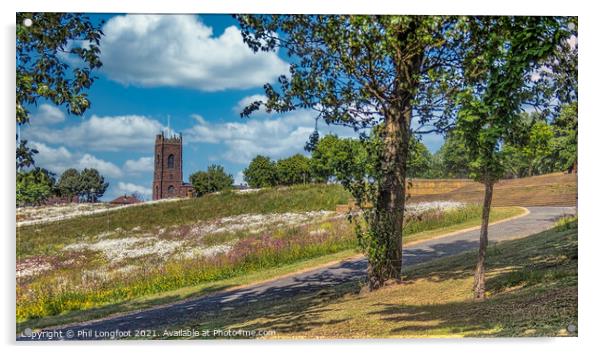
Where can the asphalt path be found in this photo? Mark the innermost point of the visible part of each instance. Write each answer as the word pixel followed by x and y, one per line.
pixel 537 220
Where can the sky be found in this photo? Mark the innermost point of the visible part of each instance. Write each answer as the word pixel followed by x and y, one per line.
pixel 187 74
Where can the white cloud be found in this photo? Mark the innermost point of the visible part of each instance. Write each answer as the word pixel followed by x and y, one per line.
pixel 104 167
pixel 113 133
pixel 59 159
pixel 130 188
pixel 181 51
pixel 47 114
pixel 143 164
pixel 274 137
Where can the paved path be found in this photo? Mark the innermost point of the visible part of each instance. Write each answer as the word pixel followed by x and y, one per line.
pixel 539 219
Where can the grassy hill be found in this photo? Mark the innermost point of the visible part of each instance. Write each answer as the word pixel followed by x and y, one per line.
pixel 44 239
pixel 93 265
pixel 556 189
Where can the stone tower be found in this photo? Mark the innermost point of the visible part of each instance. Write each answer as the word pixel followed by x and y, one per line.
pixel 167 180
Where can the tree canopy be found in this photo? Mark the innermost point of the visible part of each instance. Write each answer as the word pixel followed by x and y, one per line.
pixel 215 179
pixel 34 186
pixel 293 170
pixel 44 51
pixel 43 71
pixel 261 172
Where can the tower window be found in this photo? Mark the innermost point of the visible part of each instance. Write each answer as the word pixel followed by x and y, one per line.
pixel 170 161
pixel 171 190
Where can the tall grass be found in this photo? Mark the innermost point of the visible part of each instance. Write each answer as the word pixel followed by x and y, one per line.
pixel 436 218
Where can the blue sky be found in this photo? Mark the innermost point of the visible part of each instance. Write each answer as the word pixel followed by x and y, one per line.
pixel 193 71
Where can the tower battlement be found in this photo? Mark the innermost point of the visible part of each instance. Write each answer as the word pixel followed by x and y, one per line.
pixel 173 139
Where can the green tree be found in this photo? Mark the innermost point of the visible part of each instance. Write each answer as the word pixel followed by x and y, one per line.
pixel 436 167
pixel 564 143
pixel 92 185
pixel 538 148
pixel 454 156
pixel 43 73
pixel 497 85
pixel 420 159
pixel 293 170
pixel 215 179
pixel 363 71
pixel 25 155
pixel 559 83
pixel 528 151
pixel 261 172
pixel 69 184
pixel 34 186
pixel 341 159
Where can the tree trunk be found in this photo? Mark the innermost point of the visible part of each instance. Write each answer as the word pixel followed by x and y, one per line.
pixel 479 276
pixel 390 201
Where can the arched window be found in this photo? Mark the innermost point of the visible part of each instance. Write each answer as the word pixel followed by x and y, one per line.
pixel 171 190
pixel 170 161
pixel 158 159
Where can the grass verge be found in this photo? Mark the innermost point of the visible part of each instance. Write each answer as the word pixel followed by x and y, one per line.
pixel 497 214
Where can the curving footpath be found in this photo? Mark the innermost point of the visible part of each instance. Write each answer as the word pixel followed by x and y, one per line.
pixel 537 220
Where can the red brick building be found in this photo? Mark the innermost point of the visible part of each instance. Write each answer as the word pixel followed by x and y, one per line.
pixel 125 200
pixel 168 181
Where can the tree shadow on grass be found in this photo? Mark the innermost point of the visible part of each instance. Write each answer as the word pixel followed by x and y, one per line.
pixel 532 284
pixel 525 312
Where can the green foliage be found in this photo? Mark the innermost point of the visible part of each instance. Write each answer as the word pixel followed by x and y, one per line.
pixel 341 159
pixel 34 187
pixel 454 157
pixel 261 172
pixel 566 223
pixel 505 52
pixel 213 180
pixel 25 155
pixel 363 71
pixel 92 185
pixel 69 184
pixel 347 68
pixel 43 73
pixel 293 170
pixel 564 143
pixel 88 186
pixel 420 159
pixel 533 155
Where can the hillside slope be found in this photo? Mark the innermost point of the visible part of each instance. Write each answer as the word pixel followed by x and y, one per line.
pixel 148 217
pixel 556 189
